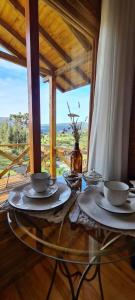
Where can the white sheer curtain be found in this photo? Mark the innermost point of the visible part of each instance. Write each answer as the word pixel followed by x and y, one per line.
pixel 113 91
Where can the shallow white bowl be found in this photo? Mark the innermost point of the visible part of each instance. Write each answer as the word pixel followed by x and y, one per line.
pixel 116 192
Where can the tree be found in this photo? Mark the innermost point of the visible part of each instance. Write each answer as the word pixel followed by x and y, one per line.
pixel 4 132
pixel 10 134
pixel 15 130
pixel 19 124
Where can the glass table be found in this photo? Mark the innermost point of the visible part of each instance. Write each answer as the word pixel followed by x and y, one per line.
pixel 67 242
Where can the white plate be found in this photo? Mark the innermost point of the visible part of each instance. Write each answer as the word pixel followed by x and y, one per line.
pixel 18 200
pixel 87 202
pixel 126 208
pixel 31 193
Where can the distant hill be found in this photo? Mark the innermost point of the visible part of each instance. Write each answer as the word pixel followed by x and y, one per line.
pixel 45 127
pixel 59 127
pixel 3 119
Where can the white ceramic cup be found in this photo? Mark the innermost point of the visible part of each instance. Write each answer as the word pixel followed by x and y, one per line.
pixel 41 181
pixel 116 192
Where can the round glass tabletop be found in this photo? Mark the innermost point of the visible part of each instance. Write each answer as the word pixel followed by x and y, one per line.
pixel 71 242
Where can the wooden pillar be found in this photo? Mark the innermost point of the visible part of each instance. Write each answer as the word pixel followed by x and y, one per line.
pixel 32 47
pixel 52 107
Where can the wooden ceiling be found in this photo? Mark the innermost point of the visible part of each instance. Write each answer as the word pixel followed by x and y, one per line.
pixel 66 32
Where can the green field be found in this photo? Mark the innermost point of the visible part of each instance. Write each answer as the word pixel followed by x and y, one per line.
pixel 67 140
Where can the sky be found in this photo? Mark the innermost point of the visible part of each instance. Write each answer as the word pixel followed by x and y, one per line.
pixel 14 95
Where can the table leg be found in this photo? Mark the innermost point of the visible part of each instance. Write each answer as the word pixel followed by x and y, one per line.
pixel 100 283
pixel 52 281
pixel 69 277
pixel 83 277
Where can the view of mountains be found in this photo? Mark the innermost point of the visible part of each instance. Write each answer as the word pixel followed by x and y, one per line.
pixel 45 127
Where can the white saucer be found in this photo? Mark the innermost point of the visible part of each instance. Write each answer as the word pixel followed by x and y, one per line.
pixel 18 200
pixel 87 202
pixel 31 193
pixel 126 208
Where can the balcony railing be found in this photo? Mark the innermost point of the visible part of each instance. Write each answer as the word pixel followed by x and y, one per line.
pixel 18 154
pixel 11 155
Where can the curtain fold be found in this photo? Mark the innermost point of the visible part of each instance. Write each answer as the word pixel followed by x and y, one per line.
pixel 113 90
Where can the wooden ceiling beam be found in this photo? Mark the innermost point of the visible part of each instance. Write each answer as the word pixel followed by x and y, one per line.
pixel 74 64
pixel 44 34
pixel 81 38
pixel 22 58
pixel 60 87
pixel 11 49
pixel 52 42
pixel 78 14
pixel 44 70
pixel 66 57
pixel 12 58
pixel 82 74
pixel 54 45
pixel 6 26
pixel 94 7
pixel 46 79
pixel 47 62
pixel 19 38
pixel 67 80
pixel 20 62
pixel 85 43
pixel 78 86
pixel 18 6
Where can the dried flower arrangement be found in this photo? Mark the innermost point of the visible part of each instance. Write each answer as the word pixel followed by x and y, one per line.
pixel 75 126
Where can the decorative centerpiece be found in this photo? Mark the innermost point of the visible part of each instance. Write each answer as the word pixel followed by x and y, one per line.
pixel 76 155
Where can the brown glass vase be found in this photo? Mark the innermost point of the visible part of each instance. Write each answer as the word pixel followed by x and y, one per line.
pixel 76 159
